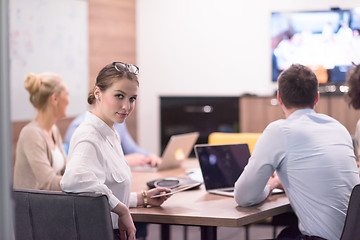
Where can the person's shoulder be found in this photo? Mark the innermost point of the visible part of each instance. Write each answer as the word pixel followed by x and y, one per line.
pixel 31 133
pixel 276 124
pixel 31 128
pixel 86 131
pixel 328 118
pixel 274 128
pixel 330 121
pixel 323 115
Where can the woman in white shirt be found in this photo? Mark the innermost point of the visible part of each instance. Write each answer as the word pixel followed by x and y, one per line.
pixel 96 161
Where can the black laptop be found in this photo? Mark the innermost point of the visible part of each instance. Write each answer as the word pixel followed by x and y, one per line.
pixel 221 165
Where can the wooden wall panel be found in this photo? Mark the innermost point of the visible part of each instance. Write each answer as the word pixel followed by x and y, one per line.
pixel 257 112
pixel 323 105
pixel 112 37
pixel 341 111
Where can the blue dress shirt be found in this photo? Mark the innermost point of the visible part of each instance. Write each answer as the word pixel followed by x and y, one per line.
pixel 127 142
pixel 314 158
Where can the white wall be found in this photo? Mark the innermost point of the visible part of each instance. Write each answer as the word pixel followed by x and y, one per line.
pixel 205 47
pixel 48 36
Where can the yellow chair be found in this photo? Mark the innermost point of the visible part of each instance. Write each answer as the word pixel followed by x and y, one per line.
pixel 230 138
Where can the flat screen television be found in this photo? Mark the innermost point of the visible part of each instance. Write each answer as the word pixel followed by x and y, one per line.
pixel 203 114
pixel 326 41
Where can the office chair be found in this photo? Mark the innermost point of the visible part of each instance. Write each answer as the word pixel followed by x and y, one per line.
pixel 351 228
pixel 56 215
pixel 230 138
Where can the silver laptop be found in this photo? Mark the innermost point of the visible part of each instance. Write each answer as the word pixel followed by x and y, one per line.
pixel 176 151
pixel 221 166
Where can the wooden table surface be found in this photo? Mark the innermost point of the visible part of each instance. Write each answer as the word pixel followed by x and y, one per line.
pixel 199 208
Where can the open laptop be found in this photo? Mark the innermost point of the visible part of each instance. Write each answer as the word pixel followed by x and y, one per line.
pixel 221 165
pixel 177 149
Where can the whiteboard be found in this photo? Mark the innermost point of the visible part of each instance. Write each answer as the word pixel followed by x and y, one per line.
pixel 48 36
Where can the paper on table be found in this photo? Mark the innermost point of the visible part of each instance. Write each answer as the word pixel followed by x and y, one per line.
pixel 277 191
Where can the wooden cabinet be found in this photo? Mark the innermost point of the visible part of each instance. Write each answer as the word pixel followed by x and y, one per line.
pixel 257 112
pixel 340 110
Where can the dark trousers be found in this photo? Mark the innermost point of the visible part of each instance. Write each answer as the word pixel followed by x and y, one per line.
pixel 293 233
pixel 141 231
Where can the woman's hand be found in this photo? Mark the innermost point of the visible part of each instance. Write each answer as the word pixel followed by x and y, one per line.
pixel 159 200
pixel 125 222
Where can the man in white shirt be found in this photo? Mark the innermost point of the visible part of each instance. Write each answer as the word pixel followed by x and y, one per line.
pixel 312 155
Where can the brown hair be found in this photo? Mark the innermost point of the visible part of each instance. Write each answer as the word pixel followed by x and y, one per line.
pixel 353 82
pixel 106 78
pixel 298 87
pixel 41 87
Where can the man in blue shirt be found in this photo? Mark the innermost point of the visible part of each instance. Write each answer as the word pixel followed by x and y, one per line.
pixel 134 155
pixel 311 155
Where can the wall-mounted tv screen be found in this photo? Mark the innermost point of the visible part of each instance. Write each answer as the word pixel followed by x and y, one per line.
pixel 326 41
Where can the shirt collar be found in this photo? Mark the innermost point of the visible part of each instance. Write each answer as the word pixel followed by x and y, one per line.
pixel 300 112
pixel 101 126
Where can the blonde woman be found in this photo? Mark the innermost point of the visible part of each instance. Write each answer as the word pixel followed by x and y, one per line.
pixel 40 158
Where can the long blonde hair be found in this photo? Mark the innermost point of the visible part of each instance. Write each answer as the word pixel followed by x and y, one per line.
pixel 41 87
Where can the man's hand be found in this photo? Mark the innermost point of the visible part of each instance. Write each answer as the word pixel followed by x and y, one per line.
pixel 274 182
pixel 137 159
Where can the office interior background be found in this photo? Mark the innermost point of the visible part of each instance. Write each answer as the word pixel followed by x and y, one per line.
pixel 182 47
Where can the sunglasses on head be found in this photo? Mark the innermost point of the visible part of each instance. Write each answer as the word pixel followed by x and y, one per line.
pixel 120 66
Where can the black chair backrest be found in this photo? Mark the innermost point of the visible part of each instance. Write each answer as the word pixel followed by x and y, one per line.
pixel 53 215
pixel 351 228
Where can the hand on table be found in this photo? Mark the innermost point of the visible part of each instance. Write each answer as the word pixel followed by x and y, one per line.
pixel 137 159
pixel 154 160
pixel 274 182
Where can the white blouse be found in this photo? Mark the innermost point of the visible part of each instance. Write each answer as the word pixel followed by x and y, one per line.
pixel 58 160
pixel 96 163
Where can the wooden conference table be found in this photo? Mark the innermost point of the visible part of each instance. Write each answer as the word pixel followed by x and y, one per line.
pixel 199 208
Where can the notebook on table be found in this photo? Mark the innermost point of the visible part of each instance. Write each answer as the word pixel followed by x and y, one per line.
pixel 176 151
pixel 221 166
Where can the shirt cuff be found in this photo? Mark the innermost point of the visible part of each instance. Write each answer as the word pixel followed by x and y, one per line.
pixel 113 201
pixel 133 199
pixel 267 190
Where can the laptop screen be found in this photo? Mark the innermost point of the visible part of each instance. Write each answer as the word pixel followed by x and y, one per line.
pixel 221 165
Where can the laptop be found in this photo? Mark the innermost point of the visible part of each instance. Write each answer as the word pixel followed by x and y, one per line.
pixel 176 151
pixel 221 166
